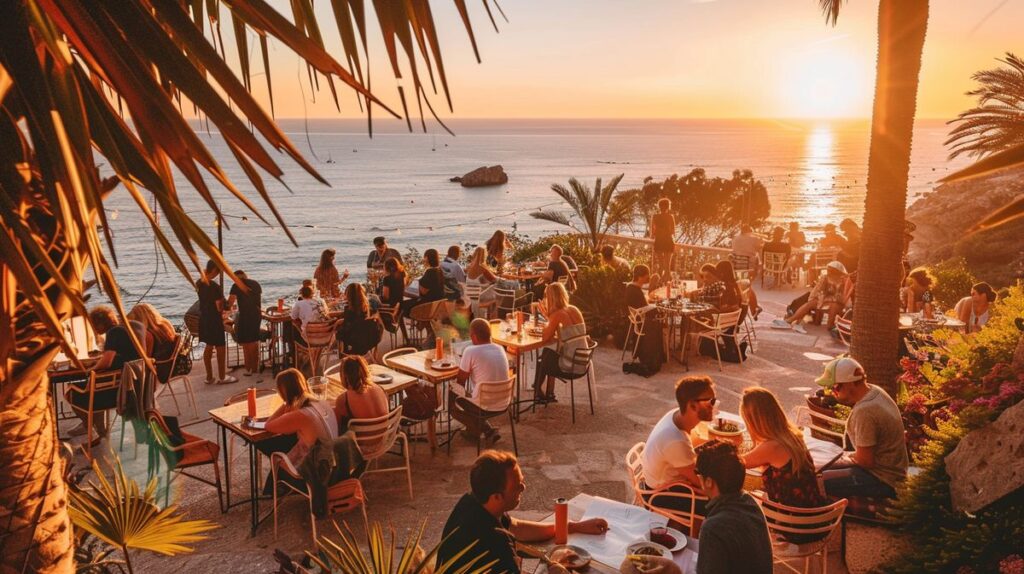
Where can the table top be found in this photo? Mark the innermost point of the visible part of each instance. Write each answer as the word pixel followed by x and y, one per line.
pixel 910 321
pixel 501 333
pixel 578 505
pixel 399 381
pixel 418 364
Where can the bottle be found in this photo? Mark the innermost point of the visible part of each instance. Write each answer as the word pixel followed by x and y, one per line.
pixel 251 396
pixel 452 347
pixel 439 348
pixel 280 305
pixel 561 521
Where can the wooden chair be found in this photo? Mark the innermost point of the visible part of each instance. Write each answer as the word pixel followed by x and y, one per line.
pixel 582 366
pixel 783 520
pixel 774 266
pixel 648 497
pixel 167 382
pixel 105 384
pixel 375 438
pixel 192 453
pixel 474 292
pixel 319 337
pixel 717 327
pixel 421 319
pixel 342 497
pixel 496 399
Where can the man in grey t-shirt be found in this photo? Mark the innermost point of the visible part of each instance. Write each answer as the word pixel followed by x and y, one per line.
pixel 879 461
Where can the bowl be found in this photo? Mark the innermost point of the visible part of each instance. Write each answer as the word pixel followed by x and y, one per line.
pixel 729 435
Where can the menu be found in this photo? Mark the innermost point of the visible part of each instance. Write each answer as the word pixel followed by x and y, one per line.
pixel 626 524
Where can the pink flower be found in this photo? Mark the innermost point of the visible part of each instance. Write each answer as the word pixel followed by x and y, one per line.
pixel 1012 564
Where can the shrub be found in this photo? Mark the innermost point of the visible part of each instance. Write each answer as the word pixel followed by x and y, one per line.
pixel 572 245
pixel 601 297
pixel 953 281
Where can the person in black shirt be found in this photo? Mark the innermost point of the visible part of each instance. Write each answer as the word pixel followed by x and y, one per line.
pixel 392 293
pixel 650 349
pixel 481 517
pixel 249 319
pixel 211 324
pixel 359 331
pixel 381 253
pixel 431 283
pixel 557 268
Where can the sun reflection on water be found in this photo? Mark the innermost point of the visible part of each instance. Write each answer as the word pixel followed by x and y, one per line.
pixel 819 176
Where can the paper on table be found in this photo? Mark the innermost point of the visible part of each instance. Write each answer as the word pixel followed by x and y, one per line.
pixel 626 524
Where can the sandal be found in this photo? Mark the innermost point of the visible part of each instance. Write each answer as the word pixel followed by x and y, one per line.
pixel 227 380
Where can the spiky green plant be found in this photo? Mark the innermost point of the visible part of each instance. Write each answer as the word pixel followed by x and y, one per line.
pixel 598 209
pixel 117 512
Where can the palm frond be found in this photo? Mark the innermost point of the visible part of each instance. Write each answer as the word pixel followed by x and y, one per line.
pixel 553 216
pixel 830 8
pixel 997 122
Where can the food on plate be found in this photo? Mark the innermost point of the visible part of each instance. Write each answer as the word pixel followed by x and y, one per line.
pixel 666 540
pixel 566 557
pixel 647 551
pixel 724 426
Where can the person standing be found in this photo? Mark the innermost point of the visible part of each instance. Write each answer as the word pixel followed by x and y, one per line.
pixel 249 296
pixel 328 282
pixel 663 231
pixel 381 253
pixel 211 325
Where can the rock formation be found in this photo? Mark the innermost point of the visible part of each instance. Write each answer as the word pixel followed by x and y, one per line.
pixel 483 176
pixel 988 463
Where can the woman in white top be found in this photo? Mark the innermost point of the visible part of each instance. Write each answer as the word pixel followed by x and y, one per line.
pixel 565 323
pixel 301 415
pixel 973 310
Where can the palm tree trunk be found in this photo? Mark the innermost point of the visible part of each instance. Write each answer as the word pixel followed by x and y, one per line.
pixel 902 25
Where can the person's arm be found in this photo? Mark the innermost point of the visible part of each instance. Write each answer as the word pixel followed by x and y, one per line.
pixel 530 531
pixel 963 311
pixel 551 329
pixel 104 362
pixel 689 475
pixel 864 457
pixel 285 421
pixel 763 454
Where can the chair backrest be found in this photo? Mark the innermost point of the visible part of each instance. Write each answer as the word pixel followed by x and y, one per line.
pixel 637 315
pixel 474 289
pixel 397 353
pixel 375 436
pixel 784 519
pixel 726 320
pixel 425 311
pixel 740 262
pixel 635 465
pixel 583 351
pixel 821 259
pixel 845 328
pixel 319 334
pixel 161 436
pixel 774 261
pixel 820 423
pixel 165 368
pixel 495 396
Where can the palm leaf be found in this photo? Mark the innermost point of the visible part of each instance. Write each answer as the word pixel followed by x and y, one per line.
pixel 830 8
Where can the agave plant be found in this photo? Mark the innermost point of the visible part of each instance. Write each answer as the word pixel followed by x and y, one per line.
pixel 597 210
pixel 116 511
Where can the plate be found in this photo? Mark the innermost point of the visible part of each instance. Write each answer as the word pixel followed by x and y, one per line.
pixel 443 364
pixel 679 536
pixel 536 331
pixel 582 560
pixel 662 551
pixel 382 379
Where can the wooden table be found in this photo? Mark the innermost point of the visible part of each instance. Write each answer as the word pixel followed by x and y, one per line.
pixel 913 322
pixel 399 382
pixel 686 558
pixel 519 344
pixel 279 346
pixel 229 419
pixel 418 365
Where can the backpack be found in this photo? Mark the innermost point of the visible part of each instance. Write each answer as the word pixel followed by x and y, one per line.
pixel 726 347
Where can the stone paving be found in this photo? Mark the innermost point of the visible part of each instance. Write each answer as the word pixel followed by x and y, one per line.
pixel 558 458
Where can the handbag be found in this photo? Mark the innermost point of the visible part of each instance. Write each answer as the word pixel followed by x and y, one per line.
pixel 420 402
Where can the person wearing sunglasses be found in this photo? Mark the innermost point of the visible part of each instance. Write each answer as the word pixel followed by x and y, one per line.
pixel 879 461
pixel 668 457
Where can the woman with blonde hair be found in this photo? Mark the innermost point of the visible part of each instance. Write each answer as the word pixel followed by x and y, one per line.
pixel 789 475
pixel 301 418
pixel 160 334
pixel 566 328
pixel 496 249
pixel 478 270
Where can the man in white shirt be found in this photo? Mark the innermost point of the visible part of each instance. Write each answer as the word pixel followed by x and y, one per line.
pixel 747 245
pixel 483 362
pixel 668 456
pixel 306 310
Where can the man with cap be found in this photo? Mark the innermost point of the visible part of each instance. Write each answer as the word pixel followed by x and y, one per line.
pixel 879 461
pixel 829 295
pixel 381 253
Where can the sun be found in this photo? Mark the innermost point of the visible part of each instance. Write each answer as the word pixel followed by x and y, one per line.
pixel 825 83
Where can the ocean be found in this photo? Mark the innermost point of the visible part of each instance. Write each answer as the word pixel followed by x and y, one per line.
pixel 396 185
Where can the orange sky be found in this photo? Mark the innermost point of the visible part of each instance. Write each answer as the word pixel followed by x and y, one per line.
pixel 678 59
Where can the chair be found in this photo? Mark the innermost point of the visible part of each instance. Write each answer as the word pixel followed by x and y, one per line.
pixel 784 520
pixel 106 384
pixel 474 292
pixel 742 265
pixel 389 315
pixel 821 425
pixel 582 363
pixel 844 327
pixel 495 400
pixel 421 317
pixel 646 497
pixel 166 377
pixel 508 302
pixel 637 317
pixel 818 262
pixel 341 497
pixel 192 453
pixel 718 329
pixel 375 438
pixel 319 337
pixel 775 266
pixel 749 328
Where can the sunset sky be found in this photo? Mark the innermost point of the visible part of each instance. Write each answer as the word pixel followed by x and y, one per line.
pixel 679 59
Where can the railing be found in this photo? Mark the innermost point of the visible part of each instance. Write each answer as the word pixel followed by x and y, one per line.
pixel 688 258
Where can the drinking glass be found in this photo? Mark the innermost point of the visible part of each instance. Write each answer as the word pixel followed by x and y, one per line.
pixel 318 387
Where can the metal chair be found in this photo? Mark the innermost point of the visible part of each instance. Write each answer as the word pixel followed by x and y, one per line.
pixel 167 382
pixel 822 425
pixel 495 399
pixel 844 327
pixel 582 365
pixel 389 315
pixel 474 292
pixel 192 453
pixel 421 318
pixel 721 323
pixel 508 302
pixel 343 496
pixel 637 317
pixel 742 265
pixel 107 385
pixel 774 266
pixel 783 520
pixel 375 438
pixel 647 497
pixel 818 262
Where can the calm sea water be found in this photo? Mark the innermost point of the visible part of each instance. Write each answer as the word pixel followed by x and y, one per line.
pixel 396 184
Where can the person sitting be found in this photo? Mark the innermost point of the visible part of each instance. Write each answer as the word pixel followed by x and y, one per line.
pixel 565 323
pixel 381 253
pixel 973 309
pixel 431 284
pixel 249 319
pixel 797 240
pixel 732 296
pixel 305 311
pixel 611 260
pixel 917 295
pixel 496 247
pixel 481 519
pixel 650 349
pixel 849 253
pixel 747 245
pixel 451 266
pixel 328 282
pixel 711 288
pixel 734 536
pixel 789 474
pixel 483 362
pixel 557 269
pixel 360 330
pixel 778 244
pixel 827 295
pixel 879 462
pixel 362 399
pixel 160 334
pixel 118 349
pixel 831 239
pixel 392 292
pixel 668 456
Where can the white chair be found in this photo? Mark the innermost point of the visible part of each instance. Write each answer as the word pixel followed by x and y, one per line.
pixel 717 327
pixel 844 327
pixel 494 400
pixel 637 317
pixel 375 438
pixel 648 497
pixel 341 497
pixel 508 302
pixel 818 262
pixel 474 293
pixel 828 427
pixel 742 265
pixel 774 266
pixel 783 520
pixel 168 385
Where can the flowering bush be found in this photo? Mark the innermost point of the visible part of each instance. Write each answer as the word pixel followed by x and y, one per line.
pixel 1012 564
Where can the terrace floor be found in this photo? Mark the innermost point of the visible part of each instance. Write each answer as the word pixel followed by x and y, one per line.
pixel 558 458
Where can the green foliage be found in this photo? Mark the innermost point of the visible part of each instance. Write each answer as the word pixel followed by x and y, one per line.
pixel 977 355
pixel 572 245
pixel 995 124
pixel 601 297
pixel 708 211
pixel 953 281
pixel 593 211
